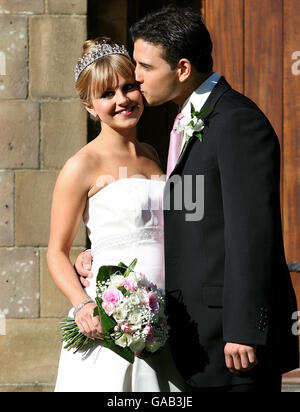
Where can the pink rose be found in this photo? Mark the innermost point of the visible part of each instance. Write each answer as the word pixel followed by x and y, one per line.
pixel 113 296
pixel 108 307
pixel 125 327
pixel 130 284
pixel 153 302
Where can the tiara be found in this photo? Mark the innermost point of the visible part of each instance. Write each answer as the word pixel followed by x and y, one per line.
pixel 99 51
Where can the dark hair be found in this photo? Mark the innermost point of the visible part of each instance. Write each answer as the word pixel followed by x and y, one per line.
pixel 182 34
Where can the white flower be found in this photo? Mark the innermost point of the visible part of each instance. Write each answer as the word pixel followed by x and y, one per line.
pixel 135 318
pixel 137 345
pixel 133 299
pixel 195 125
pixel 122 341
pixel 191 125
pixel 183 124
pixel 142 295
pixel 198 124
pixel 116 281
pixel 189 131
pixel 136 327
pixel 120 314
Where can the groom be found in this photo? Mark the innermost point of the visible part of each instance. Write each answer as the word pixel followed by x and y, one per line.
pixel 229 292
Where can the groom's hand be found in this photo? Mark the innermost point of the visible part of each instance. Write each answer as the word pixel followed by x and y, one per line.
pixel 240 358
pixel 83 267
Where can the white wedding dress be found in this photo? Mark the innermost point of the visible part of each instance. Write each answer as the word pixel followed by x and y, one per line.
pixel 124 222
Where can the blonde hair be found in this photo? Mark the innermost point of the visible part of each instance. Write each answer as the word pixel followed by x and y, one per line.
pixel 102 74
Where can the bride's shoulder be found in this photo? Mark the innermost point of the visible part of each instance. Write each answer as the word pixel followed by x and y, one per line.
pixel 79 162
pixel 78 169
pixel 151 152
pixel 83 161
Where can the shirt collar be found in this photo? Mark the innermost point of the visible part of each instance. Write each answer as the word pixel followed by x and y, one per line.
pixel 200 95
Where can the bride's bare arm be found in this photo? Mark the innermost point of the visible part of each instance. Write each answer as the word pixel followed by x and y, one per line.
pixel 68 204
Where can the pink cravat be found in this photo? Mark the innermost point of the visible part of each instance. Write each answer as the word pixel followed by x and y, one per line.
pixel 175 145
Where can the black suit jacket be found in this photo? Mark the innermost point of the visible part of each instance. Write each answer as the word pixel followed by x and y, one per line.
pixel 226 274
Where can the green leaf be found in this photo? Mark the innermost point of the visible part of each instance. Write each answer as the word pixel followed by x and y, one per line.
pixel 123 290
pixel 203 112
pixel 105 272
pixel 125 353
pixel 193 110
pixel 96 311
pixel 199 136
pixel 107 322
pixel 130 268
pixel 121 264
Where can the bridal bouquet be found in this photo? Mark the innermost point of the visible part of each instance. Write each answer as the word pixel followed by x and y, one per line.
pixel 132 314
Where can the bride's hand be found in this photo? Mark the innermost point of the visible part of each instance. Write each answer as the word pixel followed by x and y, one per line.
pixel 83 267
pixel 89 324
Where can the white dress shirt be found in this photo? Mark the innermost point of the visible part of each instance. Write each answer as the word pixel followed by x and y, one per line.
pixel 199 97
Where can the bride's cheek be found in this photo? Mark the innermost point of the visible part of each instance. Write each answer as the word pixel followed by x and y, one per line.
pixel 137 96
pixel 141 104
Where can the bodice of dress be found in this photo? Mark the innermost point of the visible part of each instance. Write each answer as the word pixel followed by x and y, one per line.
pixel 124 212
pixel 124 221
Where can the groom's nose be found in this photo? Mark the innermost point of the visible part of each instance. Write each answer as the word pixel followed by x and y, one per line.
pixel 138 75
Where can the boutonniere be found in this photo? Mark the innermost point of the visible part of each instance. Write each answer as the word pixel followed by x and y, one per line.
pixel 195 126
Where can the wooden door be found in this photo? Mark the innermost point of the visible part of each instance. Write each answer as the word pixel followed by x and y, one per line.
pixel 256 47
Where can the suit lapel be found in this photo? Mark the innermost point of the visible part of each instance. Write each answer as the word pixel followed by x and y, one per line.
pixel 221 87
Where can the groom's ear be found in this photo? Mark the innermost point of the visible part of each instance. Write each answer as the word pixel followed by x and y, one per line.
pixel 184 69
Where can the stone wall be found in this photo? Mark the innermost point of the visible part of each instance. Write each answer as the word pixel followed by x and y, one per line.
pixel 42 124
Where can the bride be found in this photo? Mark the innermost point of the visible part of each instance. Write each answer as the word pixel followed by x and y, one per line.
pixel 116 184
